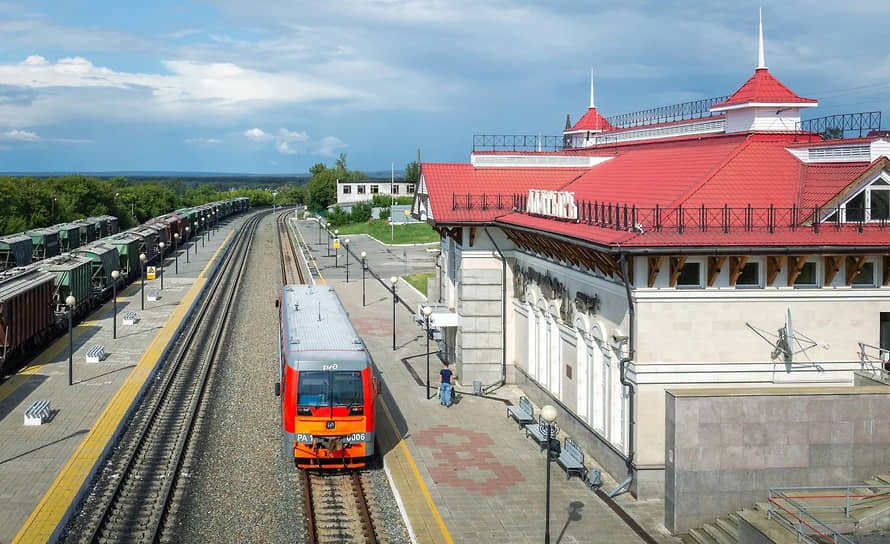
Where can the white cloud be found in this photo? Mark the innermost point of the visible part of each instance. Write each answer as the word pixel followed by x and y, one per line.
pixel 202 141
pixel 22 135
pixel 257 135
pixel 330 145
pixel 183 33
pixel 286 138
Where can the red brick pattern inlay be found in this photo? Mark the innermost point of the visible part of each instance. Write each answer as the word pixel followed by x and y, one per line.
pixel 374 326
pixel 465 460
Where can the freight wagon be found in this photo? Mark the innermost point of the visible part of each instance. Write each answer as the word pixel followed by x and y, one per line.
pixel 26 314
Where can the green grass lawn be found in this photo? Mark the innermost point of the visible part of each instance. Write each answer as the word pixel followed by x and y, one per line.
pixel 419 281
pixel 412 233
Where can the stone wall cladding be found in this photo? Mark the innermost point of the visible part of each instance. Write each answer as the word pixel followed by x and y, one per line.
pixel 479 347
pixel 724 452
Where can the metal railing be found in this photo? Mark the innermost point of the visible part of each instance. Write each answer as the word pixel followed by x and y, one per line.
pixel 799 517
pixel 837 126
pixel 874 360
pixel 517 142
pixel 667 114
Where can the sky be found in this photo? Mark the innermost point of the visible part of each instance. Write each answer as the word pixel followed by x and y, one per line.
pixel 275 86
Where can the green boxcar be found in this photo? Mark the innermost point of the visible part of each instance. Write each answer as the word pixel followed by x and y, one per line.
pixel 87 231
pixel 15 250
pixel 45 243
pixel 190 216
pixel 128 248
pixel 69 236
pixel 105 259
pixel 72 276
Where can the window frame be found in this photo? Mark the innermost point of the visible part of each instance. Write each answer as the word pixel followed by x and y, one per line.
pixel 874 278
pixel 817 275
pixel 701 281
pixel 347 189
pixel 760 283
pixel 375 189
pixel 361 189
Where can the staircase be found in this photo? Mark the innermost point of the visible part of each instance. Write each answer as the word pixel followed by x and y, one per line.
pixel 868 516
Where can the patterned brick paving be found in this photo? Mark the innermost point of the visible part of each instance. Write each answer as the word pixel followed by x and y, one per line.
pixel 464 460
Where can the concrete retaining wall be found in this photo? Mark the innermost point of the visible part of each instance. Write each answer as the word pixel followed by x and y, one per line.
pixel 724 448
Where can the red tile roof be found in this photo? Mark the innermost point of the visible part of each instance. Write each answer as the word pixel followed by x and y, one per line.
pixel 763 88
pixel 443 180
pixel 591 120
pixel 735 170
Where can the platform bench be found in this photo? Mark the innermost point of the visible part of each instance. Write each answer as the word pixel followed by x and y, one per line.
pixel 96 354
pixel 130 318
pixel 37 413
pixel 523 414
pixel 536 432
pixel 571 459
pixel 152 296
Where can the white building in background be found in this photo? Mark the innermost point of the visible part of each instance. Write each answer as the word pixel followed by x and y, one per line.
pixel 352 191
pixel 631 261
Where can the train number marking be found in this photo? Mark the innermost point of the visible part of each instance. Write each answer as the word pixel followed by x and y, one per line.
pixel 329 367
pixel 304 438
pixel 356 437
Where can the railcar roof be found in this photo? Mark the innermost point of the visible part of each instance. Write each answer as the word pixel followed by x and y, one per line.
pixel 316 326
pixel 17 280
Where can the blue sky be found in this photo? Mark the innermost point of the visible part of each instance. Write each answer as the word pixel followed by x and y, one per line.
pixel 274 86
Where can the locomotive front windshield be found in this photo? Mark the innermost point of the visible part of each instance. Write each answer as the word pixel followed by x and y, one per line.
pixel 323 388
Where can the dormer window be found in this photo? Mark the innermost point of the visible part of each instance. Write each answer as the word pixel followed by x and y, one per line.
pixel 871 204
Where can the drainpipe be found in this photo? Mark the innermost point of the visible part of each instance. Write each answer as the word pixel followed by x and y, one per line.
pixel 624 381
pixel 503 379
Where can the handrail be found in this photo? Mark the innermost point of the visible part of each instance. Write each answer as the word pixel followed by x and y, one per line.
pixel 875 364
pixel 803 515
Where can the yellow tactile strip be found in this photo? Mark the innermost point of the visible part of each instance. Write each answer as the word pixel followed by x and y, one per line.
pixel 54 505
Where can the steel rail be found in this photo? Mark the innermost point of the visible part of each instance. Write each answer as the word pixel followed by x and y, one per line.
pixel 171 387
pixel 349 513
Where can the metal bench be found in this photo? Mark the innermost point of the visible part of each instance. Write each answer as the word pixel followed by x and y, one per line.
pixel 96 354
pixel 37 413
pixel 536 432
pixel 130 318
pixel 571 459
pixel 523 414
pixel 152 296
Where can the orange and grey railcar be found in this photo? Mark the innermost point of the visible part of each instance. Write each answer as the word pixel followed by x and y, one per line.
pixel 327 387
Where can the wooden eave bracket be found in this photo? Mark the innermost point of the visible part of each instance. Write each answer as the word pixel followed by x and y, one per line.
pixel 736 265
pixel 677 264
pixel 774 265
pixel 654 267
pixel 832 267
pixel 714 266
pixel 854 266
pixel 795 265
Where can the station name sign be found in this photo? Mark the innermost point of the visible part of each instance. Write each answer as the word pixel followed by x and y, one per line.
pixel 559 204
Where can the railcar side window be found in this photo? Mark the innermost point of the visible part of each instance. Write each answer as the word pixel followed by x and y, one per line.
pixel 313 388
pixel 347 388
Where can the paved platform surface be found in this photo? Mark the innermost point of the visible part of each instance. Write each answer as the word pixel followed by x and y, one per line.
pixel 466 473
pixel 42 467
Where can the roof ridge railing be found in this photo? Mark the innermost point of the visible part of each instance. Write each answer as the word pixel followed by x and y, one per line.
pixel 517 142
pixel 781 506
pixel 683 111
pixel 837 126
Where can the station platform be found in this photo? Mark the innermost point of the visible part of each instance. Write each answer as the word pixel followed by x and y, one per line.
pixel 464 473
pixel 43 468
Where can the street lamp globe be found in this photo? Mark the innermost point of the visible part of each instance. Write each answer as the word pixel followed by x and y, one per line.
pixel 70 301
pixel 346 241
pixel 162 245
pixel 393 280
pixel 364 255
pixel 176 235
pixel 336 232
pixel 187 230
pixel 548 413
pixel 142 257
pixel 427 311
pixel 115 275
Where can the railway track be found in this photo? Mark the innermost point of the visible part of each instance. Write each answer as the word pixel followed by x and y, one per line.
pixel 337 511
pixel 289 249
pixel 132 499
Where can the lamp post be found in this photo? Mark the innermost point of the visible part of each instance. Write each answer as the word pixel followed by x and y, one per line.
pixel 364 267
pixel 187 244
pixel 346 250
pixel 70 301
pixel 114 276
pixel 336 234
pixel 395 298
pixel 176 251
pixel 203 230
pixel 142 269
pixel 162 245
pixel 330 237
pixel 548 414
pixel 427 311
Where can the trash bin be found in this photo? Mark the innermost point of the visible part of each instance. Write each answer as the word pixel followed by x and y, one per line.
pixel 477 387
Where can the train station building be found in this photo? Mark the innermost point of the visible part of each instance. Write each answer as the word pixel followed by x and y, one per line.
pixel 681 282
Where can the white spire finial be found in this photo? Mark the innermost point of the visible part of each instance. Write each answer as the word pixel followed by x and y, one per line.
pixel 591 88
pixel 761 63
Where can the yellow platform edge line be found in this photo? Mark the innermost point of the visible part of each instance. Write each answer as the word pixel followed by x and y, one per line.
pixel 311 257
pixel 49 512
pixel 420 482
